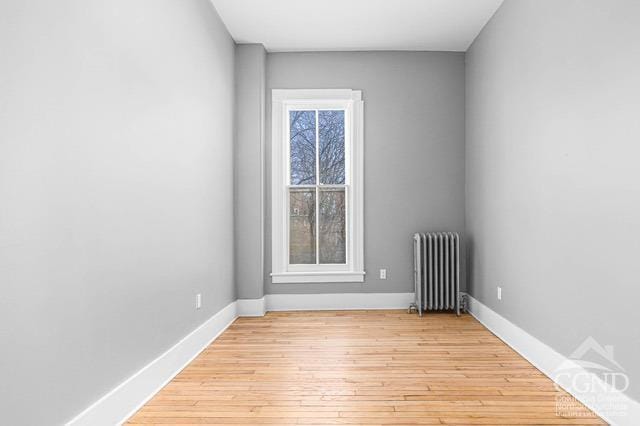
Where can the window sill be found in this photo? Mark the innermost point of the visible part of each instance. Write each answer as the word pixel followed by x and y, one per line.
pixel 317 277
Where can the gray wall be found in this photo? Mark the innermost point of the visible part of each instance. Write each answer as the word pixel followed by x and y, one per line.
pixel 553 183
pixel 116 192
pixel 414 151
pixel 249 168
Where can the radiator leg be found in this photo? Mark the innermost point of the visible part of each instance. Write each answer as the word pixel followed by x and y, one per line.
pixel 414 308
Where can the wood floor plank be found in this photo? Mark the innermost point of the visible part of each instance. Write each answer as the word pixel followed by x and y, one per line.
pixel 359 368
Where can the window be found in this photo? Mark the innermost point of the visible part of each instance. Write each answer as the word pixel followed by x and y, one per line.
pixel 317 186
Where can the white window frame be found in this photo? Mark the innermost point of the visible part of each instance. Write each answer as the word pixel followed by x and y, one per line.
pixel 282 102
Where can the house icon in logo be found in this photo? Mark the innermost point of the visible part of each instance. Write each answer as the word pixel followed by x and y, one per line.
pixel 586 348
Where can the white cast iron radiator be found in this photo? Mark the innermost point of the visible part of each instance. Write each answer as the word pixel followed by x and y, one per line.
pixel 436 260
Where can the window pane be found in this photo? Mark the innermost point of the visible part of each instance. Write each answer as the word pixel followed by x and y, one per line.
pixel 302 126
pixel 302 226
pixel 332 226
pixel 331 135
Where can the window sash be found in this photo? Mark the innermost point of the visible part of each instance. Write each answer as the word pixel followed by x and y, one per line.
pixel 317 266
pixel 317 107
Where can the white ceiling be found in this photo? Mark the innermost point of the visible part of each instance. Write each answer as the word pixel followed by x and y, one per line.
pixel 293 25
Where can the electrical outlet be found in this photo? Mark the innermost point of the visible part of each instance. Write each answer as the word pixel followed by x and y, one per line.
pixel 383 274
pixel 198 301
pixel 499 293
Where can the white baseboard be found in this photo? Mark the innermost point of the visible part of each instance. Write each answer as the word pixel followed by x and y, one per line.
pixel 323 302
pixel 547 360
pixel 251 307
pixel 338 301
pixel 123 401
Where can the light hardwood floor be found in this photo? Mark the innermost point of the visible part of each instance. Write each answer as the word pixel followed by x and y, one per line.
pixel 358 367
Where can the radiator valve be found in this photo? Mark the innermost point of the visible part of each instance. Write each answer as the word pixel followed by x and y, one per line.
pixel 463 303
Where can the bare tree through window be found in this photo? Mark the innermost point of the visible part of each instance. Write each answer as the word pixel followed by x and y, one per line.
pixel 331 135
pixel 303 147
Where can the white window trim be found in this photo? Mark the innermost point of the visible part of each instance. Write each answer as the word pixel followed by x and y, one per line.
pixel 353 271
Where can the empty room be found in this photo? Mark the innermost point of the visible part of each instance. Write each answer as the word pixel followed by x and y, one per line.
pixel 337 212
